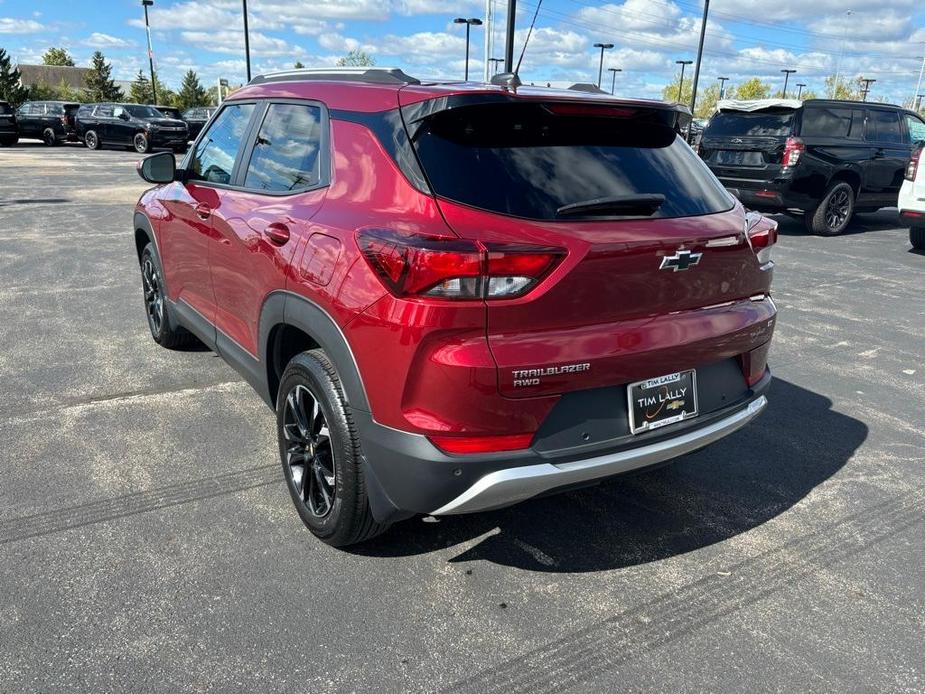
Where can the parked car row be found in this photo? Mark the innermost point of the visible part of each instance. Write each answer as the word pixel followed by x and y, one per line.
pixel 96 125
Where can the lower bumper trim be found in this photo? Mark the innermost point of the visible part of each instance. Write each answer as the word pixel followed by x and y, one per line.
pixel 512 485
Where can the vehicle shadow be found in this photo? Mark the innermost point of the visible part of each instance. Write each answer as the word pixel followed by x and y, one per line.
pixel 862 223
pixel 709 496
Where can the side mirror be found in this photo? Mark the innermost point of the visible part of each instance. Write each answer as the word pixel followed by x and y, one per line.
pixel 158 168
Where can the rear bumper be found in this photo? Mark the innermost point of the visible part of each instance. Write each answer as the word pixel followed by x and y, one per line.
pixel 767 195
pixel 407 474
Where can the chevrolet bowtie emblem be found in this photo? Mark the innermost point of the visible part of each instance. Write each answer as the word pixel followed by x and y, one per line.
pixel 681 260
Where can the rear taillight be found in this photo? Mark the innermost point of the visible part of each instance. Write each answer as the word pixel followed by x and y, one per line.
pixel 450 268
pixel 762 236
pixel 467 445
pixel 913 167
pixel 792 151
pixel 64 120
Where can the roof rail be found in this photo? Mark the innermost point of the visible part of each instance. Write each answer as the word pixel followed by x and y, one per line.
pixel 373 75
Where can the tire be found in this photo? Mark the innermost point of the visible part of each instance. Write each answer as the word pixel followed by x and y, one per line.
pixel 49 137
pixel 156 308
pixel 323 472
pixel 834 212
pixel 141 143
pixel 917 238
pixel 92 140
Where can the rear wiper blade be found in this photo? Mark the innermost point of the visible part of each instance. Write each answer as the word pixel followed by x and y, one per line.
pixel 643 205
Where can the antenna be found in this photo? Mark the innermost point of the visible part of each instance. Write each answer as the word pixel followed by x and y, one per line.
pixel 527 40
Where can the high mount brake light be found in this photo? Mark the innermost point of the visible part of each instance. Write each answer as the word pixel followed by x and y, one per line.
pixel 792 151
pixel 913 168
pixel 450 268
pixel 589 110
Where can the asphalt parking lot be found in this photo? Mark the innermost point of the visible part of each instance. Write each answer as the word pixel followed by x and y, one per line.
pixel 148 543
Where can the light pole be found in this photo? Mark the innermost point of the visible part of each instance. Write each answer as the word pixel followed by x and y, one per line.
pixel 683 64
pixel 247 42
pixel 800 86
pixel 722 86
pixel 494 63
pixel 918 85
pixel 146 4
pixel 787 74
pixel 703 33
pixel 600 68
pixel 841 53
pixel 918 101
pixel 613 82
pixel 509 36
pixel 471 22
pixel 866 88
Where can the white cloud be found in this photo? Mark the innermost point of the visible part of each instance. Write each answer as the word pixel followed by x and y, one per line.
pixel 230 41
pixel 98 40
pixel 10 25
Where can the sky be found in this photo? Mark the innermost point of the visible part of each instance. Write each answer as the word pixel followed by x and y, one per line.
pixel 883 40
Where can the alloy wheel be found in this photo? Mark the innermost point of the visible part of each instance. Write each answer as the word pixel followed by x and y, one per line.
pixel 154 296
pixel 48 137
pixel 309 453
pixel 141 143
pixel 91 140
pixel 838 209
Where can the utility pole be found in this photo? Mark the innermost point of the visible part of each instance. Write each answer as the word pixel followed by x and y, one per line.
pixel 509 36
pixel 866 88
pixel 146 4
pixel 787 74
pixel 918 85
pixel 247 43
pixel 469 24
pixel 841 53
pixel 613 82
pixel 800 85
pixel 600 67
pixel 682 63
pixel 703 32
pixel 722 86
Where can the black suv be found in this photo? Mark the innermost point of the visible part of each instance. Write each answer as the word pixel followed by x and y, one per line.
pixel 169 112
pixel 827 159
pixel 52 122
pixel 134 125
pixel 9 132
pixel 197 117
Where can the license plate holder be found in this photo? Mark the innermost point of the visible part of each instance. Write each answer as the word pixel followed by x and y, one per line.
pixel 658 402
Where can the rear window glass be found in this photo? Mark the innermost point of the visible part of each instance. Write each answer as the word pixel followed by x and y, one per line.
pixel 916 128
pixel 754 124
pixel 54 110
pixel 5 108
pixel 827 122
pixel 883 126
pixel 525 161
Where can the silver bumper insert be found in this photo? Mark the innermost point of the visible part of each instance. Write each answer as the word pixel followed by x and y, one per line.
pixel 506 487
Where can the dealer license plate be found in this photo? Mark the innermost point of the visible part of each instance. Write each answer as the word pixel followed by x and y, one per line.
pixel 658 402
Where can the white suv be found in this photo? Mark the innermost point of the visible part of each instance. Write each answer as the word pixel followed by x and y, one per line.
pixel 912 199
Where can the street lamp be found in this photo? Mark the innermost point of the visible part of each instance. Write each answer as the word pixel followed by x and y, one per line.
pixel 247 42
pixel 146 4
pixel 787 74
pixel 471 22
pixel 613 82
pixel 494 63
pixel 841 54
pixel 600 68
pixel 867 83
pixel 722 86
pixel 683 64
pixel 918 85
pixel 800 91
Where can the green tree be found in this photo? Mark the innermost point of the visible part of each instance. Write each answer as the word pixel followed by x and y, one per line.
pixel 752 89
pixel 670 91
pixel 57 56
pixel 42 91
pixel 298 65
pixel 140 91
pixel 191 92
pixel 99 83
pixel 706 101
pixel 10 88
pixel 356 58
pixel 847 89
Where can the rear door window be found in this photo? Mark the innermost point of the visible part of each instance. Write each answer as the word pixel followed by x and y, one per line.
pixel 54 110
pixel 287 153
pixel 104 111
pixel 751 124
pixel 883 126
pixel 916 128
pixel 826 122
pixel 214 157
pixel 526 160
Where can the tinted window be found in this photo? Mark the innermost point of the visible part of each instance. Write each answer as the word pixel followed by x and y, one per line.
pixel 287 153
pixel 826 122
pixel 5 108
pixel 916 128
pixel 54 109
pixel 756 124
pixel 213 159
pixel 104 111
pixel 143 112
pixel 883 126
pixel 527 161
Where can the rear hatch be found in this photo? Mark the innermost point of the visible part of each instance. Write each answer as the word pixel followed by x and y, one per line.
pixel 630 288
pixel 747 144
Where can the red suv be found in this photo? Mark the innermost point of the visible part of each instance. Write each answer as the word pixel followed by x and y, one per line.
pixel 458 296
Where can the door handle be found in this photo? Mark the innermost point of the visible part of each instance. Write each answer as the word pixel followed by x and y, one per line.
pixel 277 233
pixel 203 211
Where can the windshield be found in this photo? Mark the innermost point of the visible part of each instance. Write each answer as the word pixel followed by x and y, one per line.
pixel 754 124
pixel 143 112
pixel 530 160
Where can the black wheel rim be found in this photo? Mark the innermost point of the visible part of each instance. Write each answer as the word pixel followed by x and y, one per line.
pixel 838 209
pixel 91 140
pixel 309 453
pixel 140 143
pixel 154 296
pixel 49 137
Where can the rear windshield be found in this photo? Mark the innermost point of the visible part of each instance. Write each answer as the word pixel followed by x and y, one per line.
pixel 755 124
pixel 526 161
